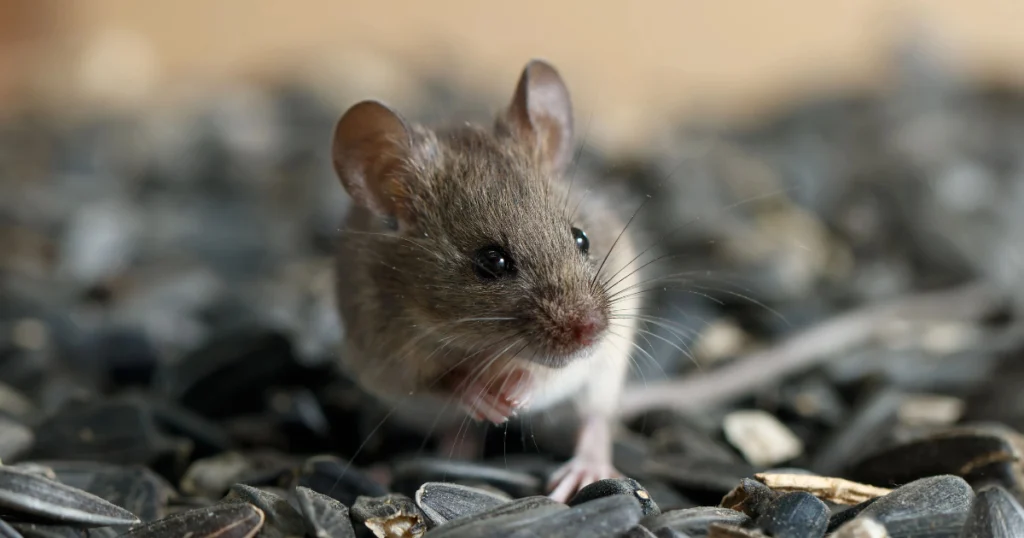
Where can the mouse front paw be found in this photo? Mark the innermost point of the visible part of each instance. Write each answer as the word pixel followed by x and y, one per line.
pixel 497 400
pixel 577 473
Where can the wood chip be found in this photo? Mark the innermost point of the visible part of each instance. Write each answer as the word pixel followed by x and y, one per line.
pixel 834 490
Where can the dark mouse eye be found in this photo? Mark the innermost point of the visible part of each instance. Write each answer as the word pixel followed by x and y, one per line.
pixel 493 262
pixel 582 242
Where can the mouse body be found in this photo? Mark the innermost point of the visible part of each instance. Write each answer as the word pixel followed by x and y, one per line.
pixel 480 276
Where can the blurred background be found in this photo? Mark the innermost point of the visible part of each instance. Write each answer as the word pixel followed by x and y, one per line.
pixel 632 67
pixel 167 205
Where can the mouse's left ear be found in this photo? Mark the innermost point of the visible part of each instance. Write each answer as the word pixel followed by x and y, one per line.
pixel 541 112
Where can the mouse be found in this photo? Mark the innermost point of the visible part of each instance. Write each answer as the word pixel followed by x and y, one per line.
pixel 470 282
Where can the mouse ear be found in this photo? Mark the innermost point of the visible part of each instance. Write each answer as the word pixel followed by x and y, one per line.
pixel 371 142
pixel 541 112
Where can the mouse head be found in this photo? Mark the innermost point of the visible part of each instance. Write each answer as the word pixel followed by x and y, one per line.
pixel 478 242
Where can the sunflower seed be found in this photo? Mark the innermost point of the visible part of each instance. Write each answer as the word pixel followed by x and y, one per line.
pixel 7 531
pixel 393 515
pixel 227 520
pixel 136 488
pixel 982 455
pixel 617 486
pixel 796 515
pixel 35 495
pixel 938 505
pixel 500 520
pixel 335 478
pixel 695 521
pixel 442 501
pixel 995 514
pixel 410 474
pixel 605 517
pixel 116 431
pixel 324 517
pixel 36 530
pixel 639 532
pixel 280 518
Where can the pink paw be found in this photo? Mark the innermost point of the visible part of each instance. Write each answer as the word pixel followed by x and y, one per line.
pixel 577 473
pixel 499 399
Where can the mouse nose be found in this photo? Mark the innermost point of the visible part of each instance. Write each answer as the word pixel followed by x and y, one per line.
pixel 586 328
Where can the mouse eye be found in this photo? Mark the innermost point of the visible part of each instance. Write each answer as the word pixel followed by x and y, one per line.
pixel 492 262
pixel 582 242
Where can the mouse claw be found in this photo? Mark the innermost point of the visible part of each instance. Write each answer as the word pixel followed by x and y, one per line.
pixel 591 462
pixel 576 474
pixel 497 402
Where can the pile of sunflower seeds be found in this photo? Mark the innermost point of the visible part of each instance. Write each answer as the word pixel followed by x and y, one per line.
pixel 168 335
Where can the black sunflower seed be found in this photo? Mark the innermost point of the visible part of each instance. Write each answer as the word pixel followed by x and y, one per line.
pixel 500 520
pixel 281 518
pixel 617 486
pixel 935 506
pixel 34 495
pixel 136 488
pixel 324 517
pixel 442 501
pixel 995 514
pixel 605 517
pixel 7 531
pixel 335 478
pixel 227 520
pixel 409 475
pixel 795 515
pixel 695 521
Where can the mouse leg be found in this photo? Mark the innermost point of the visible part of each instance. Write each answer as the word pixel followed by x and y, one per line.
pixel 591 461
pixel 592 457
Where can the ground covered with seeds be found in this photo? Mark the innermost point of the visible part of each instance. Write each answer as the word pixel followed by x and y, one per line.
pixel 842 357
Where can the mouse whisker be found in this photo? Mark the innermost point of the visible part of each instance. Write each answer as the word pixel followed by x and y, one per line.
pixel 572 216
pixel 690 275
pixel 640 293
pixel 686 224
pixel 597 273
pixel 668 324
pixel 673 331
pixel 576 162
pixel 674 278
pixel 633 361
pixel 652 280
pixel 471 354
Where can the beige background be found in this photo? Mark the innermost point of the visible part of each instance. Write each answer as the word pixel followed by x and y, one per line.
pixel 631 65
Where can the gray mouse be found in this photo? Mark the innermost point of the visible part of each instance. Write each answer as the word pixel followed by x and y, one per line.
pixel 470 285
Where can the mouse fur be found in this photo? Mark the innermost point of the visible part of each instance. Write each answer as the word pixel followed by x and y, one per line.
pixel 409 288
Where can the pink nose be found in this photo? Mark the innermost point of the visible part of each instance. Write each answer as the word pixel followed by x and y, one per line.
pixel 586 328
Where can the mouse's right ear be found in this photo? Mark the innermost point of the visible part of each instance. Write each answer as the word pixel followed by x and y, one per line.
pixel 371 144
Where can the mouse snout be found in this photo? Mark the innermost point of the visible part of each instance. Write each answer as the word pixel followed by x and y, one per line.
pixel 587 326
pixel 570 324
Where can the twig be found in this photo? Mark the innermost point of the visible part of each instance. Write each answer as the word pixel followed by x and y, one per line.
pixel 807 348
